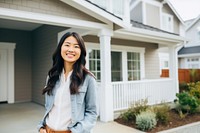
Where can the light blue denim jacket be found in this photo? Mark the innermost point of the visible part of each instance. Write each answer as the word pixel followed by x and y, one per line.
pixel 83 107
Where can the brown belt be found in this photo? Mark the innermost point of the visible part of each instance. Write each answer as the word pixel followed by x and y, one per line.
pixel 49 130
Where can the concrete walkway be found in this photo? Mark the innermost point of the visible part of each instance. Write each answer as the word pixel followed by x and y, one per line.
pixel 24 117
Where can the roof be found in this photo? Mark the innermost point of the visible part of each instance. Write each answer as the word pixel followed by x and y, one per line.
pixel 192 23
pixel 189 50
pixel 147 27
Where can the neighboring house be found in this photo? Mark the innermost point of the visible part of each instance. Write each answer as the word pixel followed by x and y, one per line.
pixel 189 54
pixel 122 37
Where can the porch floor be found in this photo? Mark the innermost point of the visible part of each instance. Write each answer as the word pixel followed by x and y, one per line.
pixel 24 117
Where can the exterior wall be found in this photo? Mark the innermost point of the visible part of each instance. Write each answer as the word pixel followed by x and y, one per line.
pixel 192 33
pixel 22 61
pixel 52 7
pixel 136 13
pixel 44 44
pixel 152 68
pixel 153 15
pixel 167 9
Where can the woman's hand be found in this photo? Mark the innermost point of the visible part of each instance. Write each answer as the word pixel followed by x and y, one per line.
pixel 42 130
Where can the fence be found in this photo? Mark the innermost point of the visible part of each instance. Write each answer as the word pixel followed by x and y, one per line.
pixel 184 75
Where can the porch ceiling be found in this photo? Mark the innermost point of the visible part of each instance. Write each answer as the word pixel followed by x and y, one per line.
pixel 18 25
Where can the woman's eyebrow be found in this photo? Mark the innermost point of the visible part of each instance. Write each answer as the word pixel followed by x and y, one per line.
pixel 71 42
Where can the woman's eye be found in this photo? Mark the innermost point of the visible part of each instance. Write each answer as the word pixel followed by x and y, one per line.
pixel 76 46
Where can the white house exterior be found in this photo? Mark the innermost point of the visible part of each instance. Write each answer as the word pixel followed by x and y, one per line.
pixel 189 54
pixel 122 38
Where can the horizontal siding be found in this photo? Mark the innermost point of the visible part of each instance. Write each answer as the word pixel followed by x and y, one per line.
pixel 44 44
pixel 52 7
pixel 152 64
pixel 22 61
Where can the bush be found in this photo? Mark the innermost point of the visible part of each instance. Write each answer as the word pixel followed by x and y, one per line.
pixel 162 113
pixel 140 106
pixel 194 89
pixel 128 116
pixel 187 103
pixel 145 121
pixel 135 109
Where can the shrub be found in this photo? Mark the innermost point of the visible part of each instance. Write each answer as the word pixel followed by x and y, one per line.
pixel 140 106
pixel 135 109
pixel 183 87
pixel 145 121
pixel 187 103
pixel 194 89
pixel 128 116
pixel 162 113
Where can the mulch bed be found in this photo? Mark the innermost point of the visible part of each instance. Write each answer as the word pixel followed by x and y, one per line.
pixel 174 121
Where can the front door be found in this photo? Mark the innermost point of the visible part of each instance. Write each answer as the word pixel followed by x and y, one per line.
pixel 3 76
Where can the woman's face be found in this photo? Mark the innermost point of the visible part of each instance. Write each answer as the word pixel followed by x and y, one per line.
pixel 70 50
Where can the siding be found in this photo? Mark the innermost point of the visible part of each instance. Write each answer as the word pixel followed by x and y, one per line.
pixel 152 68
pixel 152 15
pixel 52 7
pixel 192 34
pixel 22 61
pixel 136 13
pixel 44 44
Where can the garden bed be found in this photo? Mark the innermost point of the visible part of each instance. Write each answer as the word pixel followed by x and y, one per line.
pixel 174 121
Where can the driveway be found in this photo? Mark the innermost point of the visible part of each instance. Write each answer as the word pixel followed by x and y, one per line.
pixel 24 117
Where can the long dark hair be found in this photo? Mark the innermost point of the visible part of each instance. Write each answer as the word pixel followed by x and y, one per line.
pixel 79 70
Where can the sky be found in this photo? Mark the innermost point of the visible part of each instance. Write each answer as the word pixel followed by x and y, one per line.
pixel 187 9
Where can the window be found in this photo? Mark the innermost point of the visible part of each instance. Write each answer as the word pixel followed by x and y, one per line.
pixel 116 66
pixel 193 62
pixel 133 63
pixel 167 22
pixel 94 63
pixel 125 64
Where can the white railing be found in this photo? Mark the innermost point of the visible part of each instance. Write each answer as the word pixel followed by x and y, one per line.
pixel 156 91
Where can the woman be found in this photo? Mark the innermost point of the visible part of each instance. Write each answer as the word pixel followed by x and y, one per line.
pixel 70 91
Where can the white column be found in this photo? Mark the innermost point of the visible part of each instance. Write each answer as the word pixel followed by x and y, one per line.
pixel 11 92
pixel 173 67
pixel 106 91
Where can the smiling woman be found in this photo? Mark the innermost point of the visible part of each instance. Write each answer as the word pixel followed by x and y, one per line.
pixel 70 91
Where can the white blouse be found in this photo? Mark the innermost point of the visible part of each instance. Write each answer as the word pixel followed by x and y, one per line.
pixel 60 115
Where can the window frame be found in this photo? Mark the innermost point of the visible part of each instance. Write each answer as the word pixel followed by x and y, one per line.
pixel 171 23
pixel 124 50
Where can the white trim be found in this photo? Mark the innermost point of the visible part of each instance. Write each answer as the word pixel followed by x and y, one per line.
pixel 133 5
pixel 10 82
pixel 189 55
pixel 144 17
pixel 49 19
pixel 124 50
pixel 152 36
pixel 153 2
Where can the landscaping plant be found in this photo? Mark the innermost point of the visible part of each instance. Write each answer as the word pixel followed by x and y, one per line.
pixel 145 121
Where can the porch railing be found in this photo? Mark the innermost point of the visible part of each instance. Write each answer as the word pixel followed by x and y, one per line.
pixel 156 91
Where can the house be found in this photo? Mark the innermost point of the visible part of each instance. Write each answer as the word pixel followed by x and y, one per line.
pixel 189 54
pixel 122 37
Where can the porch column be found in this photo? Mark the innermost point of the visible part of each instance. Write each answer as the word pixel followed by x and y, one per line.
pixel 173 67
pixel 106 91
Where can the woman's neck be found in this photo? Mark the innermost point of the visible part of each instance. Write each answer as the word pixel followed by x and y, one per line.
pixel 67 68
